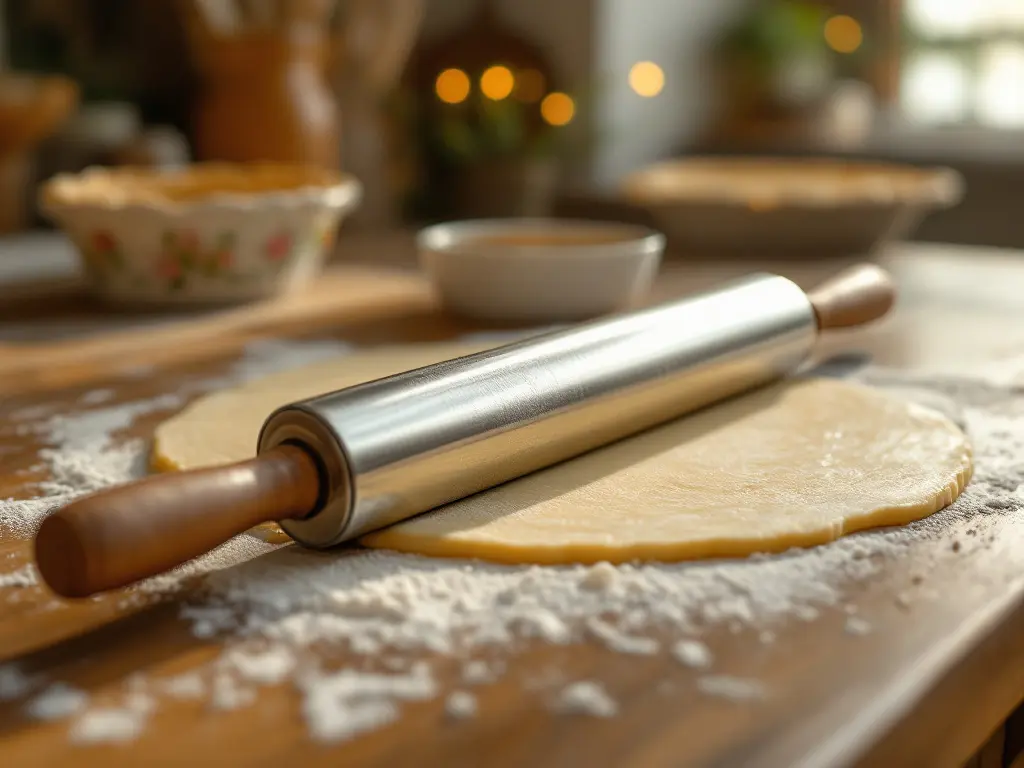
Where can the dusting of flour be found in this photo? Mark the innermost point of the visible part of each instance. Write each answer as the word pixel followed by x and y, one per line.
pixel 276 609
pixel 586 698
pixel 460 705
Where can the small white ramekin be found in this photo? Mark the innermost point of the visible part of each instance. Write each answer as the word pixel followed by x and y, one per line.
pixel 204 234
pixel 539 270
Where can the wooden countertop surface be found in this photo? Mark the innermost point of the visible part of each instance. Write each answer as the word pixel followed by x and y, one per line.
pixel 925 687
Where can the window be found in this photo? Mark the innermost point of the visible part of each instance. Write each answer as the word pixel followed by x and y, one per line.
pixel 963 62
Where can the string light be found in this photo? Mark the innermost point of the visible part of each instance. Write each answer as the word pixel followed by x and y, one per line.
pixel 843 34
pixel 557 109
pixel 646 78
pixel 452 86
pixel 497 82
pixel 529 86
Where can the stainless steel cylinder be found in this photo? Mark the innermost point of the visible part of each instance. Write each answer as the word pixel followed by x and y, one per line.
pixel 394 448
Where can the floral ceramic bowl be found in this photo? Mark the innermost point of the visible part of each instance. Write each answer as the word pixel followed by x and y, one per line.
pixel 204 234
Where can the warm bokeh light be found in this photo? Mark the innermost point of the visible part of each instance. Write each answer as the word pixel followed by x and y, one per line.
pixel 843 34
pixel 497 82
pixel 530 86
pixel 557 109
pixel 646 78
pixel 452 86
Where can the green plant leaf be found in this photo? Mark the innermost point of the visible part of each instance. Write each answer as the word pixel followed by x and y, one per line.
pixel 503 126
pixel 776 30
pixel 457 139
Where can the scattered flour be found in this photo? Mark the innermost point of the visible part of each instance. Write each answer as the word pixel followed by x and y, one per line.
pixel 96 397
pixel 264 667
pixel 460 705
pixel 113 725
pixel 94 429
pixel 187 686
pixel 56 702
pixel 389 609
pixel 586 698
pixel 272 355
pixel 479 672
pixel 343 704
pixel 106 725
pixel 735 689
pixel 25 576
pixel 857 626
pixel 615 640
pixel 602 577
pixel 228 693
pixel 805 612
pixel 693 654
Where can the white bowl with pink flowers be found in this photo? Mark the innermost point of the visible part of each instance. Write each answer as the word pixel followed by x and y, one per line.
pixel 204 234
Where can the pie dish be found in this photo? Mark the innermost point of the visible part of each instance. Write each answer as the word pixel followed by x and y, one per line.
pixel 779 208
pixel 202 234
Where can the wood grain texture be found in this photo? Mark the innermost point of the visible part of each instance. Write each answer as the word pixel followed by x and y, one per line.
pixel 926 687
pixel 345 294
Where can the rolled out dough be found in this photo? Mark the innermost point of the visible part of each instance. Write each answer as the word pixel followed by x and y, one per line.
pixel 796 464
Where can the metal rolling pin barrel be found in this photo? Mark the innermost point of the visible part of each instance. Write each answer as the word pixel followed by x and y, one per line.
pixel 336 466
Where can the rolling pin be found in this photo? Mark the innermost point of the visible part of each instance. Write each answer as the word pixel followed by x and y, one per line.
pixel 333 467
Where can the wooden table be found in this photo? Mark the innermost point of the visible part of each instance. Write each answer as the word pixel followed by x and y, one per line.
pixel 928 686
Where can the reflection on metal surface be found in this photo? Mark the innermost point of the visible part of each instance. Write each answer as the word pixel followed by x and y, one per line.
pixel 402 445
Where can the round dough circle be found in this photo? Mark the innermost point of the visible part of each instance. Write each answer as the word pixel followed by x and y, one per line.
pixel 796 464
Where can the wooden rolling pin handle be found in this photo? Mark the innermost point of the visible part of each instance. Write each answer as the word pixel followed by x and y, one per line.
pixel 115 537
pixel 853 297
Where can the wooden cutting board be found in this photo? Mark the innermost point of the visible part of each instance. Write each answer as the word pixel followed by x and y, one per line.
pixel 88 340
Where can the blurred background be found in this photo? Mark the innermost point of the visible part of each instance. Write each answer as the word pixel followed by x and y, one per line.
pixel 463 108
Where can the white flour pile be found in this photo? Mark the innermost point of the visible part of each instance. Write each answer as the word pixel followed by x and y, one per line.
pixel 586 698
pixel 284 615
